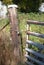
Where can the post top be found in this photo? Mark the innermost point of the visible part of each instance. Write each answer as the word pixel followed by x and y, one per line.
pixel 12 6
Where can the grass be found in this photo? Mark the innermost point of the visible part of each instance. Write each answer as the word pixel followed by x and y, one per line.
pixel 23 17
pixel 22 20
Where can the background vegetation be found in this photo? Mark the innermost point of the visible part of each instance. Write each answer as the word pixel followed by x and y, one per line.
pixel 25 5
pixel 22 19
pixel 31 6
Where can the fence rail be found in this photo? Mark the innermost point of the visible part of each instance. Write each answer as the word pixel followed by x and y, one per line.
pixel 39 45
pixel 35 22
pixel 35 34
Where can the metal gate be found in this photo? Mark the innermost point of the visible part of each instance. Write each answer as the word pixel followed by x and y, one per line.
pixel 34 57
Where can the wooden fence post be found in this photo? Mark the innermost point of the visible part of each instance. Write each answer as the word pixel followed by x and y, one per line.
pixel 12 9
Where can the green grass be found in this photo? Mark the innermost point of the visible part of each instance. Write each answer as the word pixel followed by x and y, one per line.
pixel 22 19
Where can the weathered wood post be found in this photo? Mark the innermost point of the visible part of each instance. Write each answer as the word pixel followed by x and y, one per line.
pixel 12 9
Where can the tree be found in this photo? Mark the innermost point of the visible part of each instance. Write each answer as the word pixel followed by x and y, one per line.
pixel 7 1
pixel 28 5
pixel 25 5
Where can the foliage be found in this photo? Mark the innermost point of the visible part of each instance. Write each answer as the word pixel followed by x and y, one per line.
pixel 25 5
pixel 23 17
pixel 32 16
pixel 7 2
pixel 28 5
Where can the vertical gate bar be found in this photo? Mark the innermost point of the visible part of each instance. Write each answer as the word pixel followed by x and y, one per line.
pixel 12 9
pixel 27 38
pixel 27 46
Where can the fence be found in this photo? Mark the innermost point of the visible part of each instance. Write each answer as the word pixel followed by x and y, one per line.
pixel 34 57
